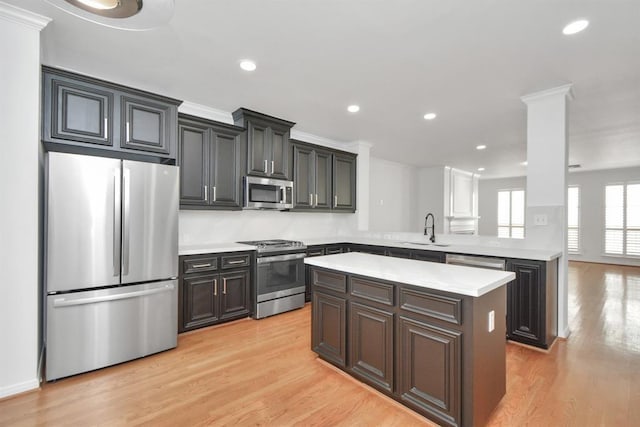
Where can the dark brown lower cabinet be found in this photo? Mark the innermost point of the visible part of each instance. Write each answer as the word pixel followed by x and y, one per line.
pixel 371 345
pixel 430 369
pixel 235 294
pixel 532 302
pixel 199 301
pixel 213 289
pixel 329 332
pixel 429 350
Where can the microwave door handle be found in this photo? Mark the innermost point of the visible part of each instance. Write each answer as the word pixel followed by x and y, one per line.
pixel 283 195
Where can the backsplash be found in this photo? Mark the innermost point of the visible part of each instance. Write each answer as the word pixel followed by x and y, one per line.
pixel 198 227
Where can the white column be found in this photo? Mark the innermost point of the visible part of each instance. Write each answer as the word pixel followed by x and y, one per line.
pixel 547 157
pixel 20 198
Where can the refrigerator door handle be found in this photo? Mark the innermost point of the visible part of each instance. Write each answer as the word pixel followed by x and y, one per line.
pixel 126 212
pixel 63 302
pixel 116 222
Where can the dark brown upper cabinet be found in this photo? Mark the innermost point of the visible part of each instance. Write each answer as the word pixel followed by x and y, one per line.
pixel 209 155
pixel 268 145
pixel 344 182
pixel 82 114
pixel 312 168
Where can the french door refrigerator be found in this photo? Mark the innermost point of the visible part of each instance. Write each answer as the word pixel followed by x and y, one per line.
pixel 111 261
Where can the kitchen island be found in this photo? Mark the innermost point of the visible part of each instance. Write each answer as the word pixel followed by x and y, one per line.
pixel 429 335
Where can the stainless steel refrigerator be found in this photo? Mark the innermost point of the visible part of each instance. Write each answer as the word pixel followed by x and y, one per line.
pixel 111 261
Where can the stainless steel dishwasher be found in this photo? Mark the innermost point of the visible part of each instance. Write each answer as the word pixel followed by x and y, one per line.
pixel 476 261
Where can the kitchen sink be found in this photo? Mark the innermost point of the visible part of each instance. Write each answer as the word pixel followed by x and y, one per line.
pixel 442 245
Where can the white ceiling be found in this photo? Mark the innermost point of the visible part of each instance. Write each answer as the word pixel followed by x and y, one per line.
pixel 468 61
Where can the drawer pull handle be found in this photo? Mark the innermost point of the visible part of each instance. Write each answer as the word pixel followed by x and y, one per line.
pixel 201 265
pixel 240 261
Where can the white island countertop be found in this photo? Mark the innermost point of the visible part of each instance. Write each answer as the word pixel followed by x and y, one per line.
pixel 469 281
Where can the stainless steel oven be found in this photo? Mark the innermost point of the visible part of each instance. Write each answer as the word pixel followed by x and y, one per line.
pixel 280 276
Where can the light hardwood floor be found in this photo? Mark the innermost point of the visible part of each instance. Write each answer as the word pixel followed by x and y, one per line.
pixel 263 373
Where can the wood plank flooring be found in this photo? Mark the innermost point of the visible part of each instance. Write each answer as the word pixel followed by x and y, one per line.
pixel 264 373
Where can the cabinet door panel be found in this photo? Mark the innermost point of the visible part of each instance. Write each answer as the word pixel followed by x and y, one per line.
pixel 234 298
pixel 430 369
pixel 258 155
pixel 279 167
pixel 200 301
pixel 526 303
pixel 225 175
pixel 344 182
pixel 371 345
pixel 323 165
pixel 81 113
pixel 329 333
pixel 303 177
pixel 146 125
pixel 193 153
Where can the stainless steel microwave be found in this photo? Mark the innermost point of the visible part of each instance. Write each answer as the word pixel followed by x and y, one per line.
pixel 267 193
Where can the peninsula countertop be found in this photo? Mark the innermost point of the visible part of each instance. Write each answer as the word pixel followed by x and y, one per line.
pixel 468 281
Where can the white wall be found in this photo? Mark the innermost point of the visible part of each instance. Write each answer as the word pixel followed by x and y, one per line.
pixel 591 185
pixel 20 198
pixel 199 227
pixel 488 201
pixel 432 196
pixel 392 196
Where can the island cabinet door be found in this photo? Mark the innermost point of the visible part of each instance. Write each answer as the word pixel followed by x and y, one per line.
pixel 371 345
pixel 329 332
pixel 526 303
pixel 430 370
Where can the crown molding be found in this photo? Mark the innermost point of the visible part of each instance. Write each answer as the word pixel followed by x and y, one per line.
pixel 24 17
pixel 565 90
pixel 205 112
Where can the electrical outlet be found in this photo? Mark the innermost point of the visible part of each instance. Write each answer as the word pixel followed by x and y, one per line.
pixel 540 219
pixel 492 320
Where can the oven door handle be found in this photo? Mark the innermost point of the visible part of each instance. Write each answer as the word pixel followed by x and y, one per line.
pixel 275 258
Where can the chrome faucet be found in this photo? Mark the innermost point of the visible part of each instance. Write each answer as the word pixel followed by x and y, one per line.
pixel 433 227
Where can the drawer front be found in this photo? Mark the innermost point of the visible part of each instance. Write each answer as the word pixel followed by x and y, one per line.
pixel 372 290
pixel 330 250
pixel 199 264
pixel 329 280
pixel 235 261
pixel 315 251
pixel 431 305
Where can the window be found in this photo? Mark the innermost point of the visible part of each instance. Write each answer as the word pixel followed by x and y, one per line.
pixel 573 220
pixel 622 220
pixel 511 213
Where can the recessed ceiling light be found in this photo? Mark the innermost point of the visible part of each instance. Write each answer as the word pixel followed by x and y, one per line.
pixel 575 27
pixel 247 65
pixel 430 116
pixel 480 169
pixel 109 8
pixel 480 147
pixel 353 108
pixel 525 163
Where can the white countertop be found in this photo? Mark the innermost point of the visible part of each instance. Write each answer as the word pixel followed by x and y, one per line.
pixel 478 249
pixel 469 281
pixel 487 250
pixel 210 248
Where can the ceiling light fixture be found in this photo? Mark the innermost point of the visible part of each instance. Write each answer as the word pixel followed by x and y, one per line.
pixel 480 147
pixel 480 169
pixel 119 14
pixel 430 116
pixel 109 8
pixel 353 108
pixel 248 65
pixel 575 27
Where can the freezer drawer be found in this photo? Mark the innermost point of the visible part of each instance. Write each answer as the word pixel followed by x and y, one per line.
pixel 93 329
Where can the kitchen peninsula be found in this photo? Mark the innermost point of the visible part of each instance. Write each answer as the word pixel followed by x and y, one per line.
pixel 429 335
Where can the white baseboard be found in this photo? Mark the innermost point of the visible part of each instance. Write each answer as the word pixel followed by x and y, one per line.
pixel 12 389
pixel 564 334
